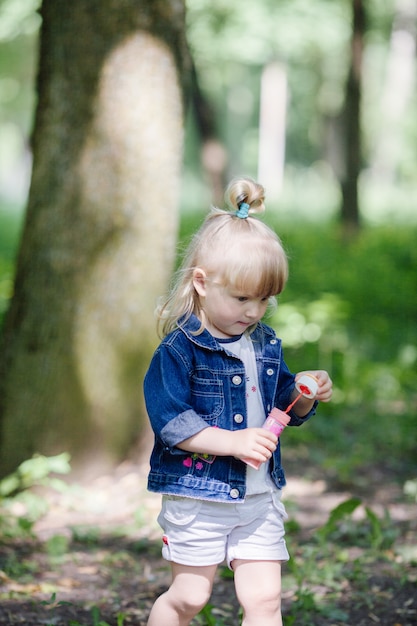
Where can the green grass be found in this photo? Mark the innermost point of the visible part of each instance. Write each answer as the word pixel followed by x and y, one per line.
pixel 95 613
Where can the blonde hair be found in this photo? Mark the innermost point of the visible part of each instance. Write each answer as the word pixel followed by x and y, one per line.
pixel 243 253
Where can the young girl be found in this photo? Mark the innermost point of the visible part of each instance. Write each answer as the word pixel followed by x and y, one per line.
pixel 216 375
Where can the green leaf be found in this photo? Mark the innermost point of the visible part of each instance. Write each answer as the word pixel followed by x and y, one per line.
pixel 376 528
pixel 343 510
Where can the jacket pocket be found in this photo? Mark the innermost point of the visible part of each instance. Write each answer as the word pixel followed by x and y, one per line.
pixel 207 397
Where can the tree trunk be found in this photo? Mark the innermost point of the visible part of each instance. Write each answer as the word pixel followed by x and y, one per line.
pixel 352 125
pixel 213 152
pixel 397 95
pixel 99 238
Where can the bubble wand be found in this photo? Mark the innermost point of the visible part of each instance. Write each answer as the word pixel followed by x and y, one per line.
pixel 277 420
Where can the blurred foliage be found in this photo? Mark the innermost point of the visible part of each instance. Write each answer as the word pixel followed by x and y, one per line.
pixel 10 224
pixel 231 43
pixel 20 506
pixel 410 489
pixel 34 471
pixel 19 25
pixel 350 306
pixel 348 550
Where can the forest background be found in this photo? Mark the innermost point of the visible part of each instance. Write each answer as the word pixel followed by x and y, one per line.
pixel 351 302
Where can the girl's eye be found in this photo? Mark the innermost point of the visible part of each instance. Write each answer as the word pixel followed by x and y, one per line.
pixel 241 298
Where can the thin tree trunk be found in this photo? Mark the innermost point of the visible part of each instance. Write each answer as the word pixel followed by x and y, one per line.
pixel 213 153
pixel 350 213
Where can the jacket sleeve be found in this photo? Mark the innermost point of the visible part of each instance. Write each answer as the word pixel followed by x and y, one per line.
pixel 168 397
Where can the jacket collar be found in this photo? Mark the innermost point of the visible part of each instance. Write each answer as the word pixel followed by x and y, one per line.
pixel 206 339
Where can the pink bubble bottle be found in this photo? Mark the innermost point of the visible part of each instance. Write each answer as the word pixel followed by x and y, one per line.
pixel 277 420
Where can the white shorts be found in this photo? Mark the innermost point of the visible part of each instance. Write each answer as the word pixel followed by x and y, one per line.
pixel 200 532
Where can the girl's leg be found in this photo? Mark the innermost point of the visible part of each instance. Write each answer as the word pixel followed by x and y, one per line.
pixel 258 588
pixel 189 592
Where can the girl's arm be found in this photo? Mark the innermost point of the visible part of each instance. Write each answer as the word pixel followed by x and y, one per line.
pixel 174 421
pixel 257 444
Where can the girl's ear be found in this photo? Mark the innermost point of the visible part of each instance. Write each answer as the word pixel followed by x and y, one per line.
pixel 199 281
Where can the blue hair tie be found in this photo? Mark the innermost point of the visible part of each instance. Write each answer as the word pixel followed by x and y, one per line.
pixel 243 210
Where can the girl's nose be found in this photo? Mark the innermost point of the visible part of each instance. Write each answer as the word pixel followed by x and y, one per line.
pixel 252 310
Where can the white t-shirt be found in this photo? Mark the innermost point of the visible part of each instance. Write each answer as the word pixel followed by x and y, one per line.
pixel 257 481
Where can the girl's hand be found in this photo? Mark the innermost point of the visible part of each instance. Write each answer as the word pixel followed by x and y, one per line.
pixel 324 391
pixel 256 444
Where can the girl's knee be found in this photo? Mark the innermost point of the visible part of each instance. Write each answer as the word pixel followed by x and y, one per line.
pixel 263 598
pixel 262 603
pixel 191 595
pixel 173 608
pixel 191 603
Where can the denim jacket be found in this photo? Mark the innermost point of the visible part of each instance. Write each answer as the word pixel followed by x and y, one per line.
pixel 194 382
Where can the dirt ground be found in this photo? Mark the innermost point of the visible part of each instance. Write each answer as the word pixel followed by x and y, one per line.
pixel 95 559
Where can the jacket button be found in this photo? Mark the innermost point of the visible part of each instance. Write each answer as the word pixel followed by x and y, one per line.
pixel 236 380
pixel 234 493
pixel 270 371
pixel 238 418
